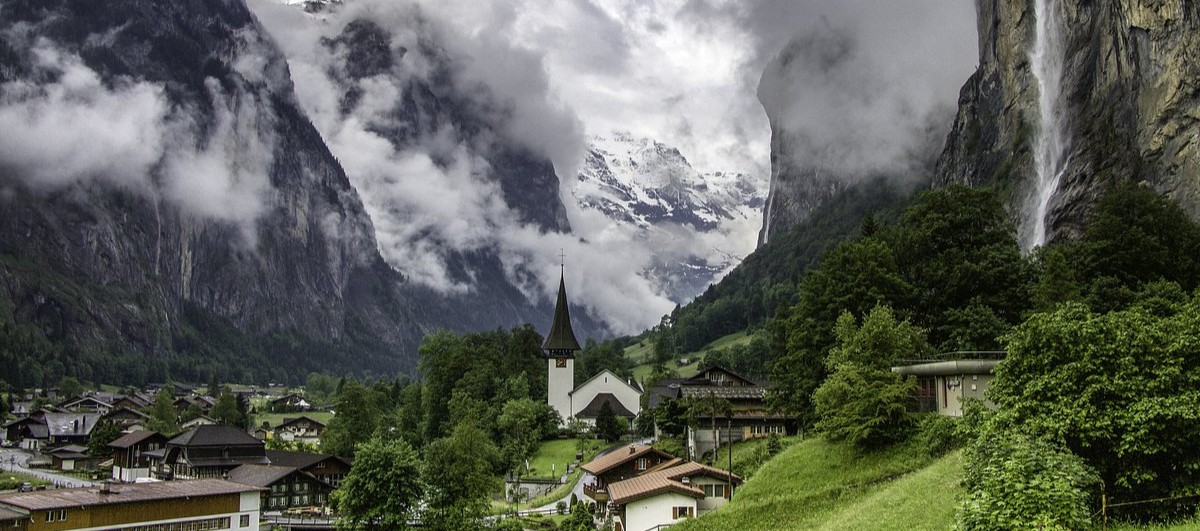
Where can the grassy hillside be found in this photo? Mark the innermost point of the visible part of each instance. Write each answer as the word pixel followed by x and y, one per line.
pixel 640 355
pixel 816 484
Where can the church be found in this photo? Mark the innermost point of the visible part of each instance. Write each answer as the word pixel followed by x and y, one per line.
pixel 582 402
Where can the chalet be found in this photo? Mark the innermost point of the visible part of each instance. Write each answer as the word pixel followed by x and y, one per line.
pixel 303 429
pixel 50 429
pixel 31 432
pixel 208 452
pixel 943 386
pixel 201 420
pixel 199 504
pixel 125 417
pixel 746 417
pixel 283 487
pixel 136 401
pixel 88 404
pixel 22 408
pixel 131 457
pixel 328 468
pixel 289 403
pixel 664 495
pixel 621 464
pixel 72 457
pixel 202 403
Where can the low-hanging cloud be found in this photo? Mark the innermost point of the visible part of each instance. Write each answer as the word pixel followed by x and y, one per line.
pixel 79 128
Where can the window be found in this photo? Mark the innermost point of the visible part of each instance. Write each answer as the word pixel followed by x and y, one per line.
pixel 49 516
pixel 245 521
pixel 714 491
pixel 682 512
pixel 642 463
pixel 62 515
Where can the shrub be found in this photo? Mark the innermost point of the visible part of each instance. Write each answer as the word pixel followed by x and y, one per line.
pixel 937 434
pixel 1015 481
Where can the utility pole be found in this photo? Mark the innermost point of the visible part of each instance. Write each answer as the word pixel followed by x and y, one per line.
pixel 729 429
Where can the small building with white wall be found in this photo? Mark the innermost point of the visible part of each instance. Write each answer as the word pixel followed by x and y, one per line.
pixel 944 386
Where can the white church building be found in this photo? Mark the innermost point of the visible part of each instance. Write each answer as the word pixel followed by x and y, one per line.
pixel 583 402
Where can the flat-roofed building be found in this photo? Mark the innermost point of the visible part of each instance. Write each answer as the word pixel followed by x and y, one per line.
pixel 162 506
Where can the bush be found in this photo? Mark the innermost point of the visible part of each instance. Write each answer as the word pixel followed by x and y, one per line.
pixel 1015 481
pixel 561 507
pixel 937 434
pixel 674 447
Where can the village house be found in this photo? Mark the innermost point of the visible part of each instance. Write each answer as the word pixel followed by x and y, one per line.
pixel 289 403
pixel 208 452
pixel 72 457
pixel 45 429
pixel 131 454
pixel 944 386
pixel 739 404
pixel 88 404
pixel 661 497
pixel 302 429
pixel 125 417
pixel 283 487
pixel 202 420
pixel 645 488
pixel 328 468
pixel 174 505
pixel 618 465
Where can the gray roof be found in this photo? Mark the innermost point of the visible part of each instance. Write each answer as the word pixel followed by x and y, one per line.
pixel 298 459
pixel 123 493
pixel 592 410
pixel 215 435
pixel 728 392
pixel 260 475
pixel 947 368
pixel 71 424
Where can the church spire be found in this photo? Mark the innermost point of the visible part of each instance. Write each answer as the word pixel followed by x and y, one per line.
pixel 561 342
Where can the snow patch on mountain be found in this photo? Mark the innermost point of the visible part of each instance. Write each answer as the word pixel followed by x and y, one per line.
pixel 700 224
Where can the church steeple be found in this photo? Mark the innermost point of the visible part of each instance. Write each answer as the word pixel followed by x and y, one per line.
pixel 561 342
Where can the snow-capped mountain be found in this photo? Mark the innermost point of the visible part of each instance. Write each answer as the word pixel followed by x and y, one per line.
pixel 648 185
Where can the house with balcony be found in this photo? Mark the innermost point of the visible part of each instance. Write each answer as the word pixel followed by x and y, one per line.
pixel 328 468
pixel 283 487
pixel 663 496
pixel 208 451
pixel 132 452
pixel 303 429
pixel 620 464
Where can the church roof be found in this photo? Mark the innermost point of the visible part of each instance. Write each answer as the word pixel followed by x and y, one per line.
pixel 561 337
pixel 593 408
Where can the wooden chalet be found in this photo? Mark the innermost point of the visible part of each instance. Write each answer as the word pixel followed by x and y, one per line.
pixel 208 451
pixel 131 454
pixel 328 468
pixel 620 464
pixel 303 428
pixel 283 487
pixel 289 403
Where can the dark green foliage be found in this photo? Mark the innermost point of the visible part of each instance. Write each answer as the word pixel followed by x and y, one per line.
pixel 523 423
pixel 459 475
pixel 1119 389
pixel 938 434
pixel 767 279
pixel 580 519
pixel 70 387
pixel 863 401
pixel 383 488
pixel 226 410
pixel 596 357
pixel 105 432
pixel 358 413
pixel 1018 482
pixel 607 427
pixel 163 417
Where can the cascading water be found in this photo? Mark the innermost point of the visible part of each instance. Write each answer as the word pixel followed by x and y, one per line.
pixel 1050 151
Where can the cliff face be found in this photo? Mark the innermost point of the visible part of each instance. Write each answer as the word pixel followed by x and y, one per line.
pixel 1130 96
pixel 234 243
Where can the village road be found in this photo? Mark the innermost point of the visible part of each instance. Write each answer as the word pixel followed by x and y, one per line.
pixel 13 460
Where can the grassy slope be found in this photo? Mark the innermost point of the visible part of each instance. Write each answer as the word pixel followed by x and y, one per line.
pixel 815 482
pixel 748 456
pixel 639 355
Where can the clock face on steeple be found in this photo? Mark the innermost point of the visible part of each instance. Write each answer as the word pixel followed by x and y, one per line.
pixel 560 363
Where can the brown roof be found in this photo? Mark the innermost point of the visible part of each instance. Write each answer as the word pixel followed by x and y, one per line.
pixel 124 493
pixel 132 438
pixel 7 515
pixel 619 457
pixel 666 480
pixel 592 410
pixel 260 475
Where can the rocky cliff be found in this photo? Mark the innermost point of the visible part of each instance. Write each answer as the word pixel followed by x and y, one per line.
pixel 168 209
pixel 1129 96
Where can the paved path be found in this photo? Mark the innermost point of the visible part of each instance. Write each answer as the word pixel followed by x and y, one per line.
pixel 13 459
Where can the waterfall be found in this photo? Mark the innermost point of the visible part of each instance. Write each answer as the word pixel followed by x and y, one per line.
pixel 1050 151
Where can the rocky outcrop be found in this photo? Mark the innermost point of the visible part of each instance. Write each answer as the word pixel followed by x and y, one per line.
pixel 1130 92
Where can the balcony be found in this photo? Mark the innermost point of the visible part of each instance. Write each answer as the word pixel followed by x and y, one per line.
pixel 598 493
